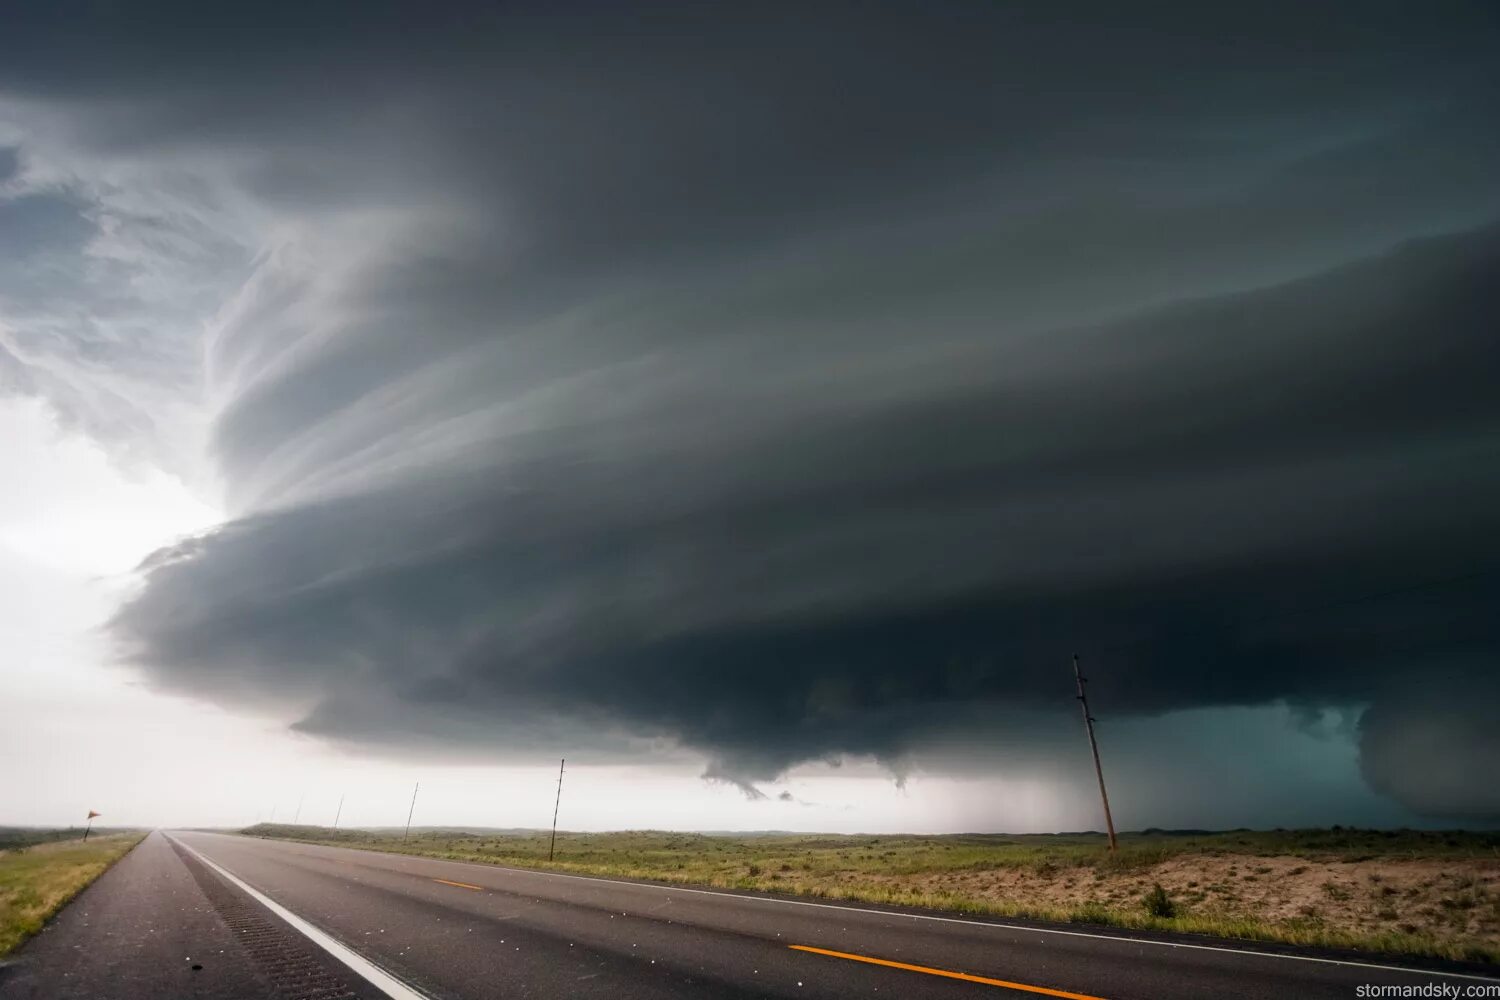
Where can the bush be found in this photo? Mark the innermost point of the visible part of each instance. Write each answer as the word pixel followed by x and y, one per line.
pixel 1158 903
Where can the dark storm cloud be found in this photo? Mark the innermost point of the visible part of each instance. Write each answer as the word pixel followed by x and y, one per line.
pixel 46 348
pixel 812 383
pixel 775 588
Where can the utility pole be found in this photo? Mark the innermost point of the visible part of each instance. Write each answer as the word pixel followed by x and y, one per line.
pixel 410 811
pixel 555 806
pixel 298 814
pixel 341 811
pixel 1088 722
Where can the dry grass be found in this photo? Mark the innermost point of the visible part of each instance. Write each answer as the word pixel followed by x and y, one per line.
pixel 37 881
pixel 1396 892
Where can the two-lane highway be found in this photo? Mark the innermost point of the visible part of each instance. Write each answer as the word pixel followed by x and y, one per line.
pixel 399 926
pixel 453 929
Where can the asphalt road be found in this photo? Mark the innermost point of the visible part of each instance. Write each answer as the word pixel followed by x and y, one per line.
pixel 442 929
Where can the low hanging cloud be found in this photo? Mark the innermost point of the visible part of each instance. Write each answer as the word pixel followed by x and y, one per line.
pixel 771 591
pixel 788 390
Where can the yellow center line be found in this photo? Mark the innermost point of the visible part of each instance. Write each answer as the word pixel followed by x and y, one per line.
pixel 945 973
pixel 461 885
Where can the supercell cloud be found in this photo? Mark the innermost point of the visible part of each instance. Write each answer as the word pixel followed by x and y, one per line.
pixel 789 386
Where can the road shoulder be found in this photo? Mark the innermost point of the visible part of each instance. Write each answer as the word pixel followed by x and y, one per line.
pixel 154 927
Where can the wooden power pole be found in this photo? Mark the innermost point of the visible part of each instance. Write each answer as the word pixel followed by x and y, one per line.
pixel 411 810
pixel 1088 722
pixel 555 806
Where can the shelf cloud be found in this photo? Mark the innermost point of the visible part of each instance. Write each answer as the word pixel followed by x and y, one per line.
pixel 788 388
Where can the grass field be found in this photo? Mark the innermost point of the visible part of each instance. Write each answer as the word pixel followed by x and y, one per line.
pixel 25 836
pixel 1400 892
pixel 37 880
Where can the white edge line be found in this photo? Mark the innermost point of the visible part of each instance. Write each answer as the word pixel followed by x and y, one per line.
pixel 374 974
pixel 897 913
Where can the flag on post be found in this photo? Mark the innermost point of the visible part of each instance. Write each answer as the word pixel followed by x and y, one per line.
pixel 92 814
pixel 90 825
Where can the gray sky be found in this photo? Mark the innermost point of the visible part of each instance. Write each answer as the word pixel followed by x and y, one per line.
pixel 757 407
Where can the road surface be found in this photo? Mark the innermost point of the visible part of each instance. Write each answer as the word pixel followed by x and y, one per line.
pixel 210 915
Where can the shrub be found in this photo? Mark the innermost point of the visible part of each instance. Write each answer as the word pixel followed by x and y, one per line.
pixel 1158 903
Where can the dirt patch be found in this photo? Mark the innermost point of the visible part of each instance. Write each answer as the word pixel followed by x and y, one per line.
pixel 1444 898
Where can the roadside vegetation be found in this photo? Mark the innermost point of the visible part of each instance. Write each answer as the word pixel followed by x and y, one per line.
pixel 1400 892
pixel 38 878
pixel 25 836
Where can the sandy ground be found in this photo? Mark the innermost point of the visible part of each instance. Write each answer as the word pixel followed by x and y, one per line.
pixel 1419 896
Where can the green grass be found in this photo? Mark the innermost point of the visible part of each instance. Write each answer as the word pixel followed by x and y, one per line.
pixel 37 880
pixel 25 836
pixel 903 852
pixel 906 870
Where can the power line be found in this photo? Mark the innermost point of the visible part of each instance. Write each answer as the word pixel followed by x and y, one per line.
pixel 1305 609
pixel 1226 625
pixel 1308 609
